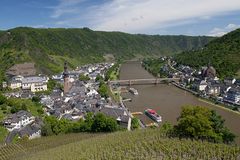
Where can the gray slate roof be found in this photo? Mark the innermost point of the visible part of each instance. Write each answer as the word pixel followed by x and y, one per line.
pixel 118 113
pixel 16 117
pixel 33 79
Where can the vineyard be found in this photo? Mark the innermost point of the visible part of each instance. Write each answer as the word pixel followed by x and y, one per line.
pixel 140 144
pixel 25 147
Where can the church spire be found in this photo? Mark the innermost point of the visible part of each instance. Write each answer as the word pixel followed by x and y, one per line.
pixel 67 84
pixel 65 72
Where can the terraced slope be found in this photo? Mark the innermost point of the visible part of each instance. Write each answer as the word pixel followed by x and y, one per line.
pixel 141 144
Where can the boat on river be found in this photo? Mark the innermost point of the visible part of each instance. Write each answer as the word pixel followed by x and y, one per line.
pixel 133 91
pixel 153 115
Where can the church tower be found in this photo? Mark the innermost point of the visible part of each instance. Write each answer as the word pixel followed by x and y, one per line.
pixel 66 86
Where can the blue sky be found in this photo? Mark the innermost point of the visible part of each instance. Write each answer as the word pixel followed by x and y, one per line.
pixel 188 17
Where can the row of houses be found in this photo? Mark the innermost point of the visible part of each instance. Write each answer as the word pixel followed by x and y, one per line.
pixel 90 70
pixel 206 83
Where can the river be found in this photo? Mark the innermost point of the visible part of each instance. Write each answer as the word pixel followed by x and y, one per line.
pixel 167 100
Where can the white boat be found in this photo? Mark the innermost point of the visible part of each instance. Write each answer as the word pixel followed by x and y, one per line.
pixel 133 91
pixel 153 115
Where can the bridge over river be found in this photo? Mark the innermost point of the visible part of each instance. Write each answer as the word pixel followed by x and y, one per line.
pixel 143 81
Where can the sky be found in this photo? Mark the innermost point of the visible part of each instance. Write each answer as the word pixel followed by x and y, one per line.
pixel 163 17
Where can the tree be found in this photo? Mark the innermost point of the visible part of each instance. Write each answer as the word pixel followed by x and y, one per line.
pixel 82 77
pixel 3 99
pixel 46 130
pixel 14 109
pixel 99 78
pixel 87 126
pixel 111 125
pixel 35 99
pixel 3 107
pixel 40 111
pixel 227 135
pixel 135 123
pixel 218 122
pixel 57 126
pixel 103 90
pixel 202 123
pixel 218 125
pixel 167 128
pixel 194 122
pixel 99 123
pixel 103 123
pixel 112 69
pixel 51 84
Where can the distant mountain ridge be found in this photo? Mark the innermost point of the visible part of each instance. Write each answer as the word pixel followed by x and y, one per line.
pixel 223 53
pixel 48 48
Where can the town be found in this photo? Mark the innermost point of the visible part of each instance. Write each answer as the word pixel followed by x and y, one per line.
pixel 204 83
pixel 78 96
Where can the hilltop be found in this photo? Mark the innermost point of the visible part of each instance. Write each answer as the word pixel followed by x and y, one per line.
pixel 140 144
pixel 223 53
pixel 48 48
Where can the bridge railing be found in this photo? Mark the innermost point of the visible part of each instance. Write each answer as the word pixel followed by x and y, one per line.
pixel 143 81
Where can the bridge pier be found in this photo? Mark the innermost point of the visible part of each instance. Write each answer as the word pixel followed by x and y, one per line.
pixel 156 81
pixel 130 83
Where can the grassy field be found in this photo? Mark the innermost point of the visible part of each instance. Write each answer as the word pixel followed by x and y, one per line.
pixel 140 144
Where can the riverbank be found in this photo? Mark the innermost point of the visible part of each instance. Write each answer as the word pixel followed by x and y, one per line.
pixel 219 106
pixel 183 88
pixel 167 100
pixel 204 100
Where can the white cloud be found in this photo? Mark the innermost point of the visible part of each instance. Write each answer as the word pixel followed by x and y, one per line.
pixel 218 32
pixel 66 7
pixel 232 26
pixel 39 26
pixel 137 16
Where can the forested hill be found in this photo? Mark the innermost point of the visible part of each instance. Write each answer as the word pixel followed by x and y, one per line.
pixel 48 48
pixel 223 53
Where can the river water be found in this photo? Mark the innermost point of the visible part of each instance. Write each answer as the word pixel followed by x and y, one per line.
pixel 167 100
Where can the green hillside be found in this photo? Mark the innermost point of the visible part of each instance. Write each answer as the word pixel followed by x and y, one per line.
pixel 140 144
pixel 48 48
pixel 223 53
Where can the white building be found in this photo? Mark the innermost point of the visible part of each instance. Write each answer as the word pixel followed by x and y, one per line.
pixel 35 83
pixel 14 84
pixel 18 120
pixel 233 96
pixel 202 86
pixel 213 89
pixel 229 81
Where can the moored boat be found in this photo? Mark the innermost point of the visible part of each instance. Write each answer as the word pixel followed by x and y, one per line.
pixel 153 115
pixel 133 91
